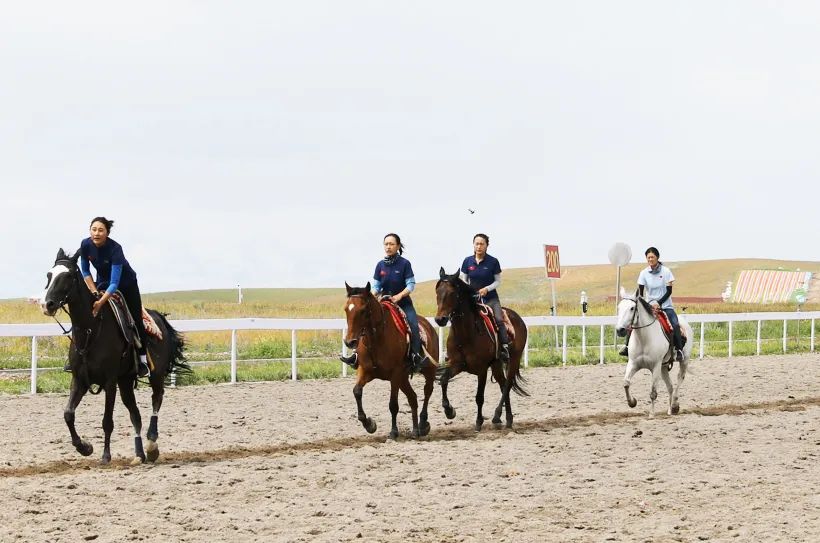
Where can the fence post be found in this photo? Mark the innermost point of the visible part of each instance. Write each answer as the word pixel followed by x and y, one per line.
pixel 784 334
pixel 34 364
pixel 233 356
pixel 702 326
pixel 527 351
pixel 564 346
pixel 602 344
pixel 730 338
pixel 812 336
pixel 344 353
pixel 584 340
pixel 758 337
pixel 293 355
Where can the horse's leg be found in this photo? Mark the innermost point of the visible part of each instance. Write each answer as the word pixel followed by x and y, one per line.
pixel 413 400
pixel 127 397
pixel 675 407
pixel 479 399
pixel 108 419
pixel 448 373
pixel 367 422
pixel 631 368
pixel 430 379
pixel 158 392
pixel 75 397
pixel 498 372
pixel 394 408
pixel 653 394
pixel 668 381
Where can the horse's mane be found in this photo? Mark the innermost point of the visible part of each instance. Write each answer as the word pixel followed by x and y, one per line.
pixel 463 289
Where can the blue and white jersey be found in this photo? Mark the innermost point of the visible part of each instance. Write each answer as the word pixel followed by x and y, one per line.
pixel 482 274
pixel 113 270
pixel 655 283
pixel 392 278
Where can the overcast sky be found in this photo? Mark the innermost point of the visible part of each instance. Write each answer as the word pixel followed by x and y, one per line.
pixel 273 144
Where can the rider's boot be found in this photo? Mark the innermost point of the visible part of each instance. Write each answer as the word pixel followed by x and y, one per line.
pixel 418 361
pixel 142 368
pixel 625 350
pixel 352 360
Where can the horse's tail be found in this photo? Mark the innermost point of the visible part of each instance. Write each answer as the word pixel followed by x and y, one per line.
pixel 177 363
pixel 514 377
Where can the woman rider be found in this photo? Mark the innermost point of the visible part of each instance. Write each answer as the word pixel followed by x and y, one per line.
pixel 113 272
pixel 657 280
pixel 483 273
pixel 394 279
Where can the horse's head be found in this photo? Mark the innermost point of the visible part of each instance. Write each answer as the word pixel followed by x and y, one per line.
pixel 358 313
pixel 61 283
pixel 450 292
pixel 628 312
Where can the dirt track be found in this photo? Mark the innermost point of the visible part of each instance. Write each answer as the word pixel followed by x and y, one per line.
pixel 289 462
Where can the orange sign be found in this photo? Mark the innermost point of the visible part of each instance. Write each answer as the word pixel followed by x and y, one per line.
pixel 552 262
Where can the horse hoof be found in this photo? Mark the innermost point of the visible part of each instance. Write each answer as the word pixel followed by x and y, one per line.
pixel 632 403
pixel 478 426
pixel 425 429
pixel 152 451
pixel 85 448
pixel 675 409
pixel 393 435
pixel 105 460
pixel 509 425
pixel 450 412
pixel 369 426
pixel 136 461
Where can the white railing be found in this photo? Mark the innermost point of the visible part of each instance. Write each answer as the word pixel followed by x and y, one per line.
pixel 205 325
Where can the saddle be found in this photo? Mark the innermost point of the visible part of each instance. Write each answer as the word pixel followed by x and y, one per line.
pixel 126 321
pixel 400 320
pixel 666 326
pixel 491 325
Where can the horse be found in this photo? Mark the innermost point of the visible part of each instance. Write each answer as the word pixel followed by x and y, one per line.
pixel 381 353
pixel 471 347
pixel 650 349
pixel 100 355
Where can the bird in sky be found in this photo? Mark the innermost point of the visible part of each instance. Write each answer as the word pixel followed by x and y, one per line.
pixel 472 211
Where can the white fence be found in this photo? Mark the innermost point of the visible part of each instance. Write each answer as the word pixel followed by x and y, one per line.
pixel 204 325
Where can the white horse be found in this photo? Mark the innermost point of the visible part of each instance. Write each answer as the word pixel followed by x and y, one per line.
pixel 649 349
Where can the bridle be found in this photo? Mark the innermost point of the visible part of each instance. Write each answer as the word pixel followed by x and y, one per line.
pixel 634 319
pixel 368 314
pixel 457 309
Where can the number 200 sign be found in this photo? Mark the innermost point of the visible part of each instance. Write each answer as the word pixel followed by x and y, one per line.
pixel 552 261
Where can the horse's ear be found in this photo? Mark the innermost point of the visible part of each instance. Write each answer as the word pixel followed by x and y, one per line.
pixel 367 286
pixel 626 296
pixel 441 273
pixel 60 255
pixel 348 288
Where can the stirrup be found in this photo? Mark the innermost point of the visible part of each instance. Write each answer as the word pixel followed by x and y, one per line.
pixel 352 360
pixel 67 367
pixel 624 351
pixel 143 370
pixel 678 355
pixel 417 362
pixel 504 352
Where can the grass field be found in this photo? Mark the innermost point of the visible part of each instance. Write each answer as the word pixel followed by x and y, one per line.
pixel 266 354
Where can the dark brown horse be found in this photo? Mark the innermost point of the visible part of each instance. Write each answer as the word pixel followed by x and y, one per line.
pixel 100 356
pixel 471 347
pixel 381 350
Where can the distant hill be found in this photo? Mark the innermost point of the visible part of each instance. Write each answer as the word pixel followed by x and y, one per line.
pixel 525 289
pixel 529 287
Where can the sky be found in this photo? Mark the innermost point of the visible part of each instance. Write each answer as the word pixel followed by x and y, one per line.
pixel 274 144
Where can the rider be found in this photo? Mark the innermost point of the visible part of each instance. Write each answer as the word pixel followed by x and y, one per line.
pixel 657 279
pixel 394 279
pixel 113 272
pixel 483 273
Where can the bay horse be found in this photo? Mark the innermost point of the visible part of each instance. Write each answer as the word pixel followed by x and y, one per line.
pixel 650 349
pixel 99 355
pixel 472 348
pixel 381 353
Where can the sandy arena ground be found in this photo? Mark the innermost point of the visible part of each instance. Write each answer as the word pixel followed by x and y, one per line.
pixel 289 461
